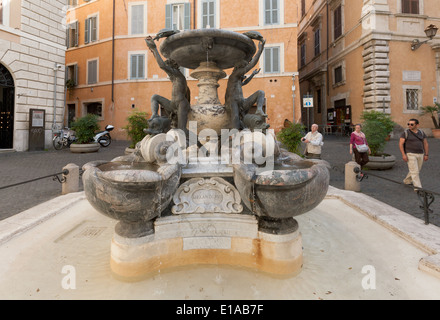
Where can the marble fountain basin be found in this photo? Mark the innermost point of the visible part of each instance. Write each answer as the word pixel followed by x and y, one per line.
pixel 135 193
pixel 294 186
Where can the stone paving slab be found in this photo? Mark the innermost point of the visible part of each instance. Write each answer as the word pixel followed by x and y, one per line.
pixel 342 246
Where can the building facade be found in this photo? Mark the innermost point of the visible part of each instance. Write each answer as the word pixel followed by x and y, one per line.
pixel 356 55
pixel 32 57
pixel 112 73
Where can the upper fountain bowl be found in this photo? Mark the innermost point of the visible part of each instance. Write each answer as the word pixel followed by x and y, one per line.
pixel 225 48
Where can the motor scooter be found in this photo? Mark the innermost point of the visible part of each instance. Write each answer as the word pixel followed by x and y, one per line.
pixel 103 137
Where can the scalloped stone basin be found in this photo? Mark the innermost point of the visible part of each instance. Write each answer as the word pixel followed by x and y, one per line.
pixel 225 48
pixel 133 193
pixel 293 187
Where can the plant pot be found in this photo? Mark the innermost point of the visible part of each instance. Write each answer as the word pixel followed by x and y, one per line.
pixel 84 148
pixel 381 162
pixel 436 133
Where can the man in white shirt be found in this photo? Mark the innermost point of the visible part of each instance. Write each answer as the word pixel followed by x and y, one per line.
pixel 313 141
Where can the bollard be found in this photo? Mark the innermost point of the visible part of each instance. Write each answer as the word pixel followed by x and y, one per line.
pixel 71 180
pixel 351 183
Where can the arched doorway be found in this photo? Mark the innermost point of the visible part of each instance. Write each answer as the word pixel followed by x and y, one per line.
pixel 6 108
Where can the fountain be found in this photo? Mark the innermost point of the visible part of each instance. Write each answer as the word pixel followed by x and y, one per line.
pixel 208 207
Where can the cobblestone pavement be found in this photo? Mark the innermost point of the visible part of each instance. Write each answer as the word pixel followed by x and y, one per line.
pixel 21 166
pixel 17 167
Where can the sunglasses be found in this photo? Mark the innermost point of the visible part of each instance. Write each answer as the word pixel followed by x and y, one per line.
pixel 411 124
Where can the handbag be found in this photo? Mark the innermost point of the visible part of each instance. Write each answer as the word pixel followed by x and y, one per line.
pixel 362 148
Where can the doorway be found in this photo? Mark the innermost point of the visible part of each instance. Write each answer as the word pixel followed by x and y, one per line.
pixel 7 90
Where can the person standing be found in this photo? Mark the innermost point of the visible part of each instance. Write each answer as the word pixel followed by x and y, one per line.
pixel 359 146
pixel 313 141
pixel 413 145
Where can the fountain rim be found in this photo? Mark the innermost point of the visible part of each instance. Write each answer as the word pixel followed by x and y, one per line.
pixel 185 37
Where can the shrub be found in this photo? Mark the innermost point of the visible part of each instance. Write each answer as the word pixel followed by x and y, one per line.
pixel 137 122
pixel 432 110
pixel 376 126
pixel 85 128
pixel 291 136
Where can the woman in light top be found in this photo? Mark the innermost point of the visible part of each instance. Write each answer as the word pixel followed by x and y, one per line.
pixel 357 139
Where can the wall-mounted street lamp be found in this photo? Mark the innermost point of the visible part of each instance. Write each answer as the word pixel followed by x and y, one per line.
pixel 430 32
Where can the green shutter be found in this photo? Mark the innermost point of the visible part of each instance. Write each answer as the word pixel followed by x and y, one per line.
pixel 86 31
pixel 187 21
pixel 168 21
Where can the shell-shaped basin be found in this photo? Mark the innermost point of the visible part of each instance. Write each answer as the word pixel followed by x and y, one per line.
pixel 292 187
pixel 133 193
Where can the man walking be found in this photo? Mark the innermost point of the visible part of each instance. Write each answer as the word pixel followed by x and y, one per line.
pixel 414 148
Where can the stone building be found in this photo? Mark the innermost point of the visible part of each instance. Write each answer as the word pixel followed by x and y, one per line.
pixel 357 55
pixel 32 58
pixel 112 72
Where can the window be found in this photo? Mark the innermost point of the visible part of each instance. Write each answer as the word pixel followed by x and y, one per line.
pixel 72 35
pixel 410 6
pixel 412 99
pixel 303 8
pixel 318 101
pixel 317 42
pixel 303 55
pixel 271 12
pixel 272 60
pixel 137 23
pixel 92 71
pixel 208 14
pixel 1 11
pixel 338 74
pixel 337 22
pixel 72 74
pixel 72 3
pixel 137 66
pixel 91 29
pixel 178 16
pixel 94 108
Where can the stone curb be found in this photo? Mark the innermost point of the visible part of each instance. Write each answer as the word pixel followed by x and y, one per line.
pixel 425 237
pixel 26 220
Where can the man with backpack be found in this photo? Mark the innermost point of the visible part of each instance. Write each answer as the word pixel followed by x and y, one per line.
pixel 414 147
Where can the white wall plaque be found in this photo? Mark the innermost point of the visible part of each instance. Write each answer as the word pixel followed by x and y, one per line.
pixel 412 76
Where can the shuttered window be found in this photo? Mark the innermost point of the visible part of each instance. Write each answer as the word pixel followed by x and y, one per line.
pixel 91 29
pixel 410 6
pixel 137 19
pixel 137 66
pixel 317 42
pixel 208 14
pixel 72 74
pixel 178 16
pixel 271 12
pixel 72 35
pixel 303 55
pixel 92 71
pixel 272 60
pixel 1 11
pixel 337 22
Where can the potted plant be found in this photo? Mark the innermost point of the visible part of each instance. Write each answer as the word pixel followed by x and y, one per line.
pixel 290 137
pixel 434 111
pixel 85 128
pixel 377 126
pixel 137 122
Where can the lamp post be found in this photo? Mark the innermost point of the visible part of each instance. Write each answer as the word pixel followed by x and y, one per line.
pixel 430 32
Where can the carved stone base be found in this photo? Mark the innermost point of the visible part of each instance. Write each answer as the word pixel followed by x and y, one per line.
pixel 220 239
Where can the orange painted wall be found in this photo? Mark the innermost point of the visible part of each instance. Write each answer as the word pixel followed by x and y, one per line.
pixel 235 15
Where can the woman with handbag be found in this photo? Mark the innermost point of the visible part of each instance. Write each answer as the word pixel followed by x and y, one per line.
pixel 359 145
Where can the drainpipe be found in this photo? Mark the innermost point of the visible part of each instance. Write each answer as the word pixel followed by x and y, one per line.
pixel 55 69
pixel 293 98
pixel 194 14
pixel 113 53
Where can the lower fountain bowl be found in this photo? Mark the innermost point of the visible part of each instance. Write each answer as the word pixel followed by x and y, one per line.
pixel 277 195
pixel 133 193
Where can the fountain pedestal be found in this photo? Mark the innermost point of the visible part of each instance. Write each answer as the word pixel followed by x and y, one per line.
pixel 209 238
